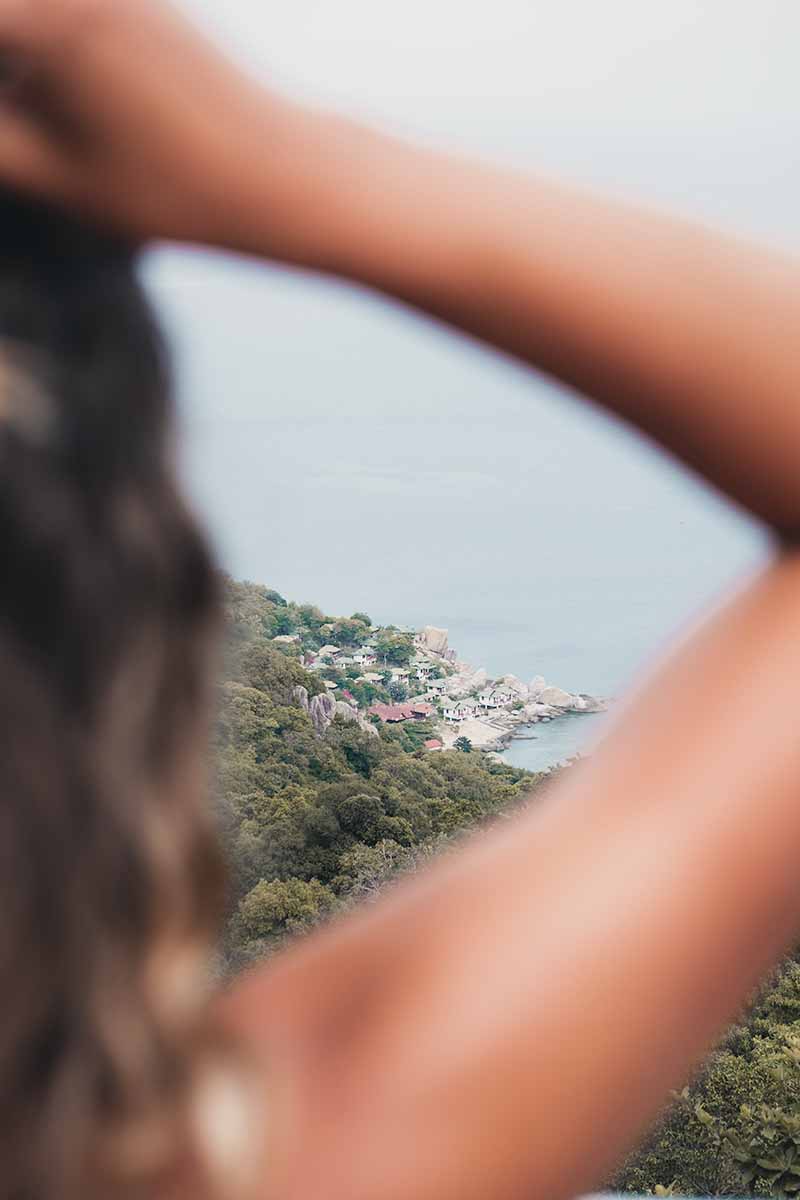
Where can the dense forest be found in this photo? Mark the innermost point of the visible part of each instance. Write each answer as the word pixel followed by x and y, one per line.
pixel 313 824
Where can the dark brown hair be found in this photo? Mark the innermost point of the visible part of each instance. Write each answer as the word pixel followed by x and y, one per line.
pixel 110 881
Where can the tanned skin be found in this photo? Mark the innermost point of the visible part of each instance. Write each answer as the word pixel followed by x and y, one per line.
pixel 554 980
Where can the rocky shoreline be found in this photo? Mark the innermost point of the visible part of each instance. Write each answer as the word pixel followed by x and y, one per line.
pixel 496 711
pixel 459 701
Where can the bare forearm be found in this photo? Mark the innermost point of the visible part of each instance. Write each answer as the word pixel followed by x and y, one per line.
pixel 688 334
pixel 556 980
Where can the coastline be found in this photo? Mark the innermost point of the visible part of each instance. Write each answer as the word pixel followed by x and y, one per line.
pixel 490 713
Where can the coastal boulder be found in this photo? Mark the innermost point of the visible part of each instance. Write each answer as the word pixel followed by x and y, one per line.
pixel 515 685
pixel 321 710
pixel 348 713
pixel 434 640
pixel 457 685
pixel 536 687
pixel 300 696
pixel 556 697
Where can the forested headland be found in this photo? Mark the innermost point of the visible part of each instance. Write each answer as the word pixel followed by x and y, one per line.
pixel 314 822
pixel 311 821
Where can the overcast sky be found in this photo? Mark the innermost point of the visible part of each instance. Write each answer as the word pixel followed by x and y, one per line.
pixel 630 61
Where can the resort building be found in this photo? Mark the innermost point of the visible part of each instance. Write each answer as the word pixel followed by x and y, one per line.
pixel 458 712
pixel 329 651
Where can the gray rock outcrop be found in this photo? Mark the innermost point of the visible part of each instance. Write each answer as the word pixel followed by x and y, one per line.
pixel 434 640
pixel 557 697
pixel 348 713
pixel 321 709
pixel 515 685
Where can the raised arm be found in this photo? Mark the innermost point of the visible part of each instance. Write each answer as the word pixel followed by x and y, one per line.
pixel 548 986
pixel 123 110
pixel 506 1024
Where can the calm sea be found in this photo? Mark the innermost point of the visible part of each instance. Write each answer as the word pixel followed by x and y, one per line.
pixel 355 457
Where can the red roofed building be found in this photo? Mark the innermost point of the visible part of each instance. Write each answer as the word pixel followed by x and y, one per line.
pixel 391 713
pixel 434 744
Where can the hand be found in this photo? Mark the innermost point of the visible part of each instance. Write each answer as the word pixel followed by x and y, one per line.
pixel 119 108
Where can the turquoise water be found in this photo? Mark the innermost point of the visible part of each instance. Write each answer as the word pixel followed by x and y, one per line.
pixel 556 742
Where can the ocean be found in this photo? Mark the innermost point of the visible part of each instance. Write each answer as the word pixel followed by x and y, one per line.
pixel 354 456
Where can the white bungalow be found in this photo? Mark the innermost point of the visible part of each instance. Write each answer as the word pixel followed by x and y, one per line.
pixel 491 698
pixel 458 712
pixel 437 687
pixel 329 651
pixel 365 657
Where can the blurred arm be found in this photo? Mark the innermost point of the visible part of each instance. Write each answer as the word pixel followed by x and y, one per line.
pixel 505 1024
pixel 119 108
pixel 691 335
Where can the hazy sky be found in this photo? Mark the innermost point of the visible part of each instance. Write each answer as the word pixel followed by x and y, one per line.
pixel 324 426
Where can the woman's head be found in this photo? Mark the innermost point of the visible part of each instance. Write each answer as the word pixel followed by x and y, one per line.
pixel 110 883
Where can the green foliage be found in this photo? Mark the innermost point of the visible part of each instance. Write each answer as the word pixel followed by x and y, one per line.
pixel 463 744
pixel 349 631
pixel 398 691
pixel 315 824
pixel 366 694
pixel 395 648
pixel 312 824
pixel 275 908
pixel 365 870
pixel 411 736
pixel 735 1130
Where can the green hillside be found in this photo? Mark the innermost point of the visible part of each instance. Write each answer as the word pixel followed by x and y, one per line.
pixel 311 823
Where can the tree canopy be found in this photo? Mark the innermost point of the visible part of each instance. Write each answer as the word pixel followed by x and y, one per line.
pixel 313 825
